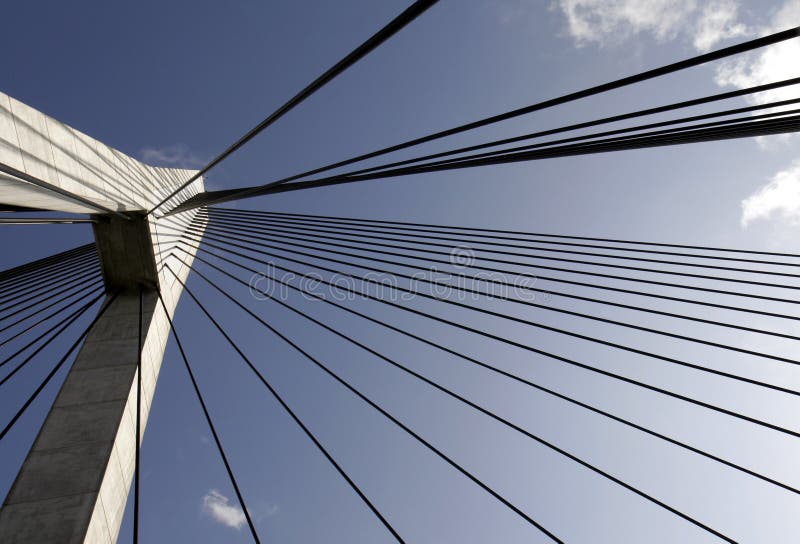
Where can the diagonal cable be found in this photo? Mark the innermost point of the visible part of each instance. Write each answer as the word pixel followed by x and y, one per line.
pixel 289 411
pixel 397 24
pixel 520 345
pixel 210 423
pixel 55 369
pixel 481 364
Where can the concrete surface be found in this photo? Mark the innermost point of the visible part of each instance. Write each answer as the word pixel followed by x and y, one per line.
pixel 74 483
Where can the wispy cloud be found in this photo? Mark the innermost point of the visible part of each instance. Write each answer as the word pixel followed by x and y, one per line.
pixel 774 63
pixel 705 24
pixel 263 510
pixel 718 21
pixel 218 507
pixel 606 22
pixel 778 199
pixel 173 156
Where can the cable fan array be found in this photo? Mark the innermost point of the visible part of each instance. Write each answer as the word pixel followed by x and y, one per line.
pixel 624 315
pixel 239 245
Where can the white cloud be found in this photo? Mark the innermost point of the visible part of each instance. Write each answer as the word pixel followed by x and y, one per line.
pixel 773 63
pixel 218 507
pixel 174 156
pixel 779 61
pixel 611 21
pixel 601 21
pixel 263 510
pixel 779 198
pixel 706 24
pixel 718 21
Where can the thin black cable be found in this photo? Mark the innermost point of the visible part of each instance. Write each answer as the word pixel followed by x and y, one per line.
pixel 708 132
pixel 642 280
pixel 15 291
pixel 643 76
pixel 38 302
pixel 516 233
pixel 593 137
pixel 69 272
pixel 84 285
pixel 66 283
pixel 518 344
pixel 386 414
pixel 415 279
pixel 167 247
pixel 474 406
pixel 46 221
pixel 53 372
pixel 634 292
pixel 264 225
pixel 55 333
pixel 758 125
pixel 616 118
pixel 35 269
pixel 289 411
pixel 137 471
pixel 538 290
pixel 566 332
pixel 397 24
pixel 70 269
pixel 38 264
pixel 271 217
pixel 45 270
pixel 42 335
pixel 10 170
pixel 711 322
pixel 590 136
pixel 491 368
pixel 166 240
pixel 644 141
pixel 211 426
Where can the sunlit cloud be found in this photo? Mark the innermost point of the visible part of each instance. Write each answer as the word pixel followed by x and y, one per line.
pixel 778 199
pixel 718 21
pixel 706 24
pixel 605 22
pixel 774 63
pixel 172 156
pixel 263 510
pixel 217 506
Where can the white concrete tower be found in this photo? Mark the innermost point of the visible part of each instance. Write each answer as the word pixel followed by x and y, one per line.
pixel 74 483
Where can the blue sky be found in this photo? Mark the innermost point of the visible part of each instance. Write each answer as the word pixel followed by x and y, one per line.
pixel 173 83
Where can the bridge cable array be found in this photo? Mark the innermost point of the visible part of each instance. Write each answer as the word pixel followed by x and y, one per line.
pixel 220 238
pixel 291 246
pixel 776 122
pixel 448 277
pixel 397 24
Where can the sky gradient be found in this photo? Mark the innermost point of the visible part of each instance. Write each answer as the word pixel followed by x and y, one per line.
pixel 174 83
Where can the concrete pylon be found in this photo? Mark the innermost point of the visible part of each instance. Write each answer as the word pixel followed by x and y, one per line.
pixel 74 483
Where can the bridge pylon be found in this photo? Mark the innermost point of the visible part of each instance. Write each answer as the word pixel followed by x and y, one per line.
pixel 74 482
